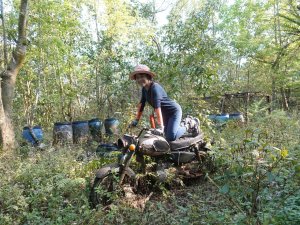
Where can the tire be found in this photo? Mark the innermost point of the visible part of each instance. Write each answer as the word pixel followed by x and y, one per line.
pixel 106 185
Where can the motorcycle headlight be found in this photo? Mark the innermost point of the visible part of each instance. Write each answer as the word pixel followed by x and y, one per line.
pixel 125 141
pixel 131 147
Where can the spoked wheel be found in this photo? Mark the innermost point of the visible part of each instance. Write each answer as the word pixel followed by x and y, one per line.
pixel 106 186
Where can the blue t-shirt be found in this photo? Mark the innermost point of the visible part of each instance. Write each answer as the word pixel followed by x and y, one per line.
pixel 157 97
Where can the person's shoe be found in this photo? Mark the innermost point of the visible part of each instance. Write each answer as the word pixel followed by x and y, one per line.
pixel 192 125
pixel 196 129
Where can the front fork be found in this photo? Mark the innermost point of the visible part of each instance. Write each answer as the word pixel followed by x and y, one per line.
pixel 125 162
pixel 126 158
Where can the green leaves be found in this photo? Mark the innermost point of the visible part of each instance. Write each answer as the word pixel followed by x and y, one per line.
pixel 224 189
pixel 270 176
pixel 260 167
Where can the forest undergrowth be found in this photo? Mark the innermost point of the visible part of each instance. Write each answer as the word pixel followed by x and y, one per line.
pixel 257 182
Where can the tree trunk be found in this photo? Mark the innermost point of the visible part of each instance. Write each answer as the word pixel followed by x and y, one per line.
pixel 273 91
pixel 7 132
pixel 9 80
pixel 285 103
pixel 4 34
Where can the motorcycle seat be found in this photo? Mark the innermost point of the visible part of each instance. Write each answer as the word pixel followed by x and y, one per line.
pixel 185 142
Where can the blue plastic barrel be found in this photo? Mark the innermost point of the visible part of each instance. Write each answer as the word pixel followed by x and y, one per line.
pixel 219 118
pixel 33 136
pixel 106 150
pixel 95 126
pixel 111 125
pixel 212 116
pixel 236 117
pixel 62 133
pixel 81 132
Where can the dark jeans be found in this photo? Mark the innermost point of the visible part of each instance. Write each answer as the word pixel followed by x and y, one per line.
pixel 173 130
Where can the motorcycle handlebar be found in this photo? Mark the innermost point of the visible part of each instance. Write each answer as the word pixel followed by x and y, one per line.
pixel 140 133
pixel 142 130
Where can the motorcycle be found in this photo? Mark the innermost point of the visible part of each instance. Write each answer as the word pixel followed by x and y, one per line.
pixel 185 158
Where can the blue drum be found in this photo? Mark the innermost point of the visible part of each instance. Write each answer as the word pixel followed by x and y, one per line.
pixel 95 126
pixel 62 133
pixel 33 135
pixel 236 117
pixel 81 132
pixel 111 125
pixel 219 118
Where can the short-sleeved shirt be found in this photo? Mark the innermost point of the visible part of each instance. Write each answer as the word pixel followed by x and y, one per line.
pixel 157 97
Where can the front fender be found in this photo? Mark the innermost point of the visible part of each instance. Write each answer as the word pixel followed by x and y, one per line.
pixel 107 169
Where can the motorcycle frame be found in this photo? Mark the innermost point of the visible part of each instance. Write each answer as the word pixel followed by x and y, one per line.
pixel 125 160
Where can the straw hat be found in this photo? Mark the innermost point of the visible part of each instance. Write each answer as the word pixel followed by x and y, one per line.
pixel 141 69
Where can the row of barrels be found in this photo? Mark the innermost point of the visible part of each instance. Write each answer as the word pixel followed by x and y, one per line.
pixel 76 132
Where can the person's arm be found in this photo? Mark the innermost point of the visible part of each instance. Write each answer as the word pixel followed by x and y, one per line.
pixel 156 98
pixel 160 122
pixel 140 110
pixel 141 106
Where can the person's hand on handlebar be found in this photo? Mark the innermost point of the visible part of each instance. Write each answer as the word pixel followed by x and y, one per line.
pixel 134 123
pixel 158 131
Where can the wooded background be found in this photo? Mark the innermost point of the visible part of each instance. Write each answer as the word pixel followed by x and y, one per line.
pixel 64 60
pixel 79 54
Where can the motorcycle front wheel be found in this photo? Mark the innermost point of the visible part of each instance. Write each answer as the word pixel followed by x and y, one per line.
pixel 106 186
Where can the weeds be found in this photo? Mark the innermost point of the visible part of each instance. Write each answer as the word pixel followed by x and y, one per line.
pixel 257 182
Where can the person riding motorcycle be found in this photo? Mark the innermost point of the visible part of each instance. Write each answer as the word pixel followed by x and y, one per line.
pixel 168 112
